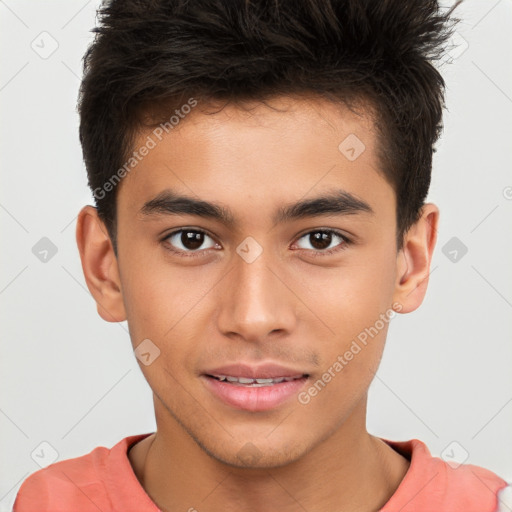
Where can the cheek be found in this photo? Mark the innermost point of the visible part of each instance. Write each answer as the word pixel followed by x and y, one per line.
pixel 346 375
pixel 355 302
pixel 354 297
pixel 157 295
pixel 167 306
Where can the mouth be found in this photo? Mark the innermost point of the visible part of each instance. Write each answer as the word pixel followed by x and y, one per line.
pixel 254 389
pixel 257 382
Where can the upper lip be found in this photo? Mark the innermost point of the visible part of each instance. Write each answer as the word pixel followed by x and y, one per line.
pixel 262 371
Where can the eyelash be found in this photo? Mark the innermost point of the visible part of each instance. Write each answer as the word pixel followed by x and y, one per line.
pixel 327 252
pixel 194 254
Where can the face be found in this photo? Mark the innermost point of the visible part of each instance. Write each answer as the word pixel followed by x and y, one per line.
pixel 265 281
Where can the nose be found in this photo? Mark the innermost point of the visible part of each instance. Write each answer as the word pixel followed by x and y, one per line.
pixel 256 301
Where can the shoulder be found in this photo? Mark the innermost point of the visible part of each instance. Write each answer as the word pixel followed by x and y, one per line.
pixel 432 483
pixel 77 484
pixel 62 483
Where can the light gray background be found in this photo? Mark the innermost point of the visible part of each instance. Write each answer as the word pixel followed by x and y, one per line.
pixel 70 379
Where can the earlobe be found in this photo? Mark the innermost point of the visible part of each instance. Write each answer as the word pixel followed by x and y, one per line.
pixel 414 259
pixel 99 265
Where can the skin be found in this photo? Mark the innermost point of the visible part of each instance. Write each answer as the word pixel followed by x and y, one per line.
pixel 287 306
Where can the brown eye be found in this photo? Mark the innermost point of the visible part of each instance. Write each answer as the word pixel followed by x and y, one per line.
pixel 324 241
pixel 189 240
pixel 320 240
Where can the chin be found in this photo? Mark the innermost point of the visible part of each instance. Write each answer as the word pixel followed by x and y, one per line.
pixel 255 455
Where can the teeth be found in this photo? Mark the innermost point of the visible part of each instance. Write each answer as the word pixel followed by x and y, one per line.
pixel 254 382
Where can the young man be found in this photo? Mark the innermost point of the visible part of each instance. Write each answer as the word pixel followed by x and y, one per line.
pixel 260 170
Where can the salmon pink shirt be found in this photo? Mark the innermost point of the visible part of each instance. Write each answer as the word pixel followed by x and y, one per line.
pixel 103 480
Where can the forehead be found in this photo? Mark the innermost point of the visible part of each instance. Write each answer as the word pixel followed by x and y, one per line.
pixel 285 148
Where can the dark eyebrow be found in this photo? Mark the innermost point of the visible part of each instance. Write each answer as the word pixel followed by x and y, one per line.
pixel 170 203
pixel 337 202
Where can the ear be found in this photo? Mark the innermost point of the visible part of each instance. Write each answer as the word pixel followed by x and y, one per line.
pixel 413 260
pixel 99 264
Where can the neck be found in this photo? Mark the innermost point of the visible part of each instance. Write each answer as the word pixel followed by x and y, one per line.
pixel 351 470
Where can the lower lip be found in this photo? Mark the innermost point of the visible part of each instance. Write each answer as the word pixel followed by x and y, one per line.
pixel 254 399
